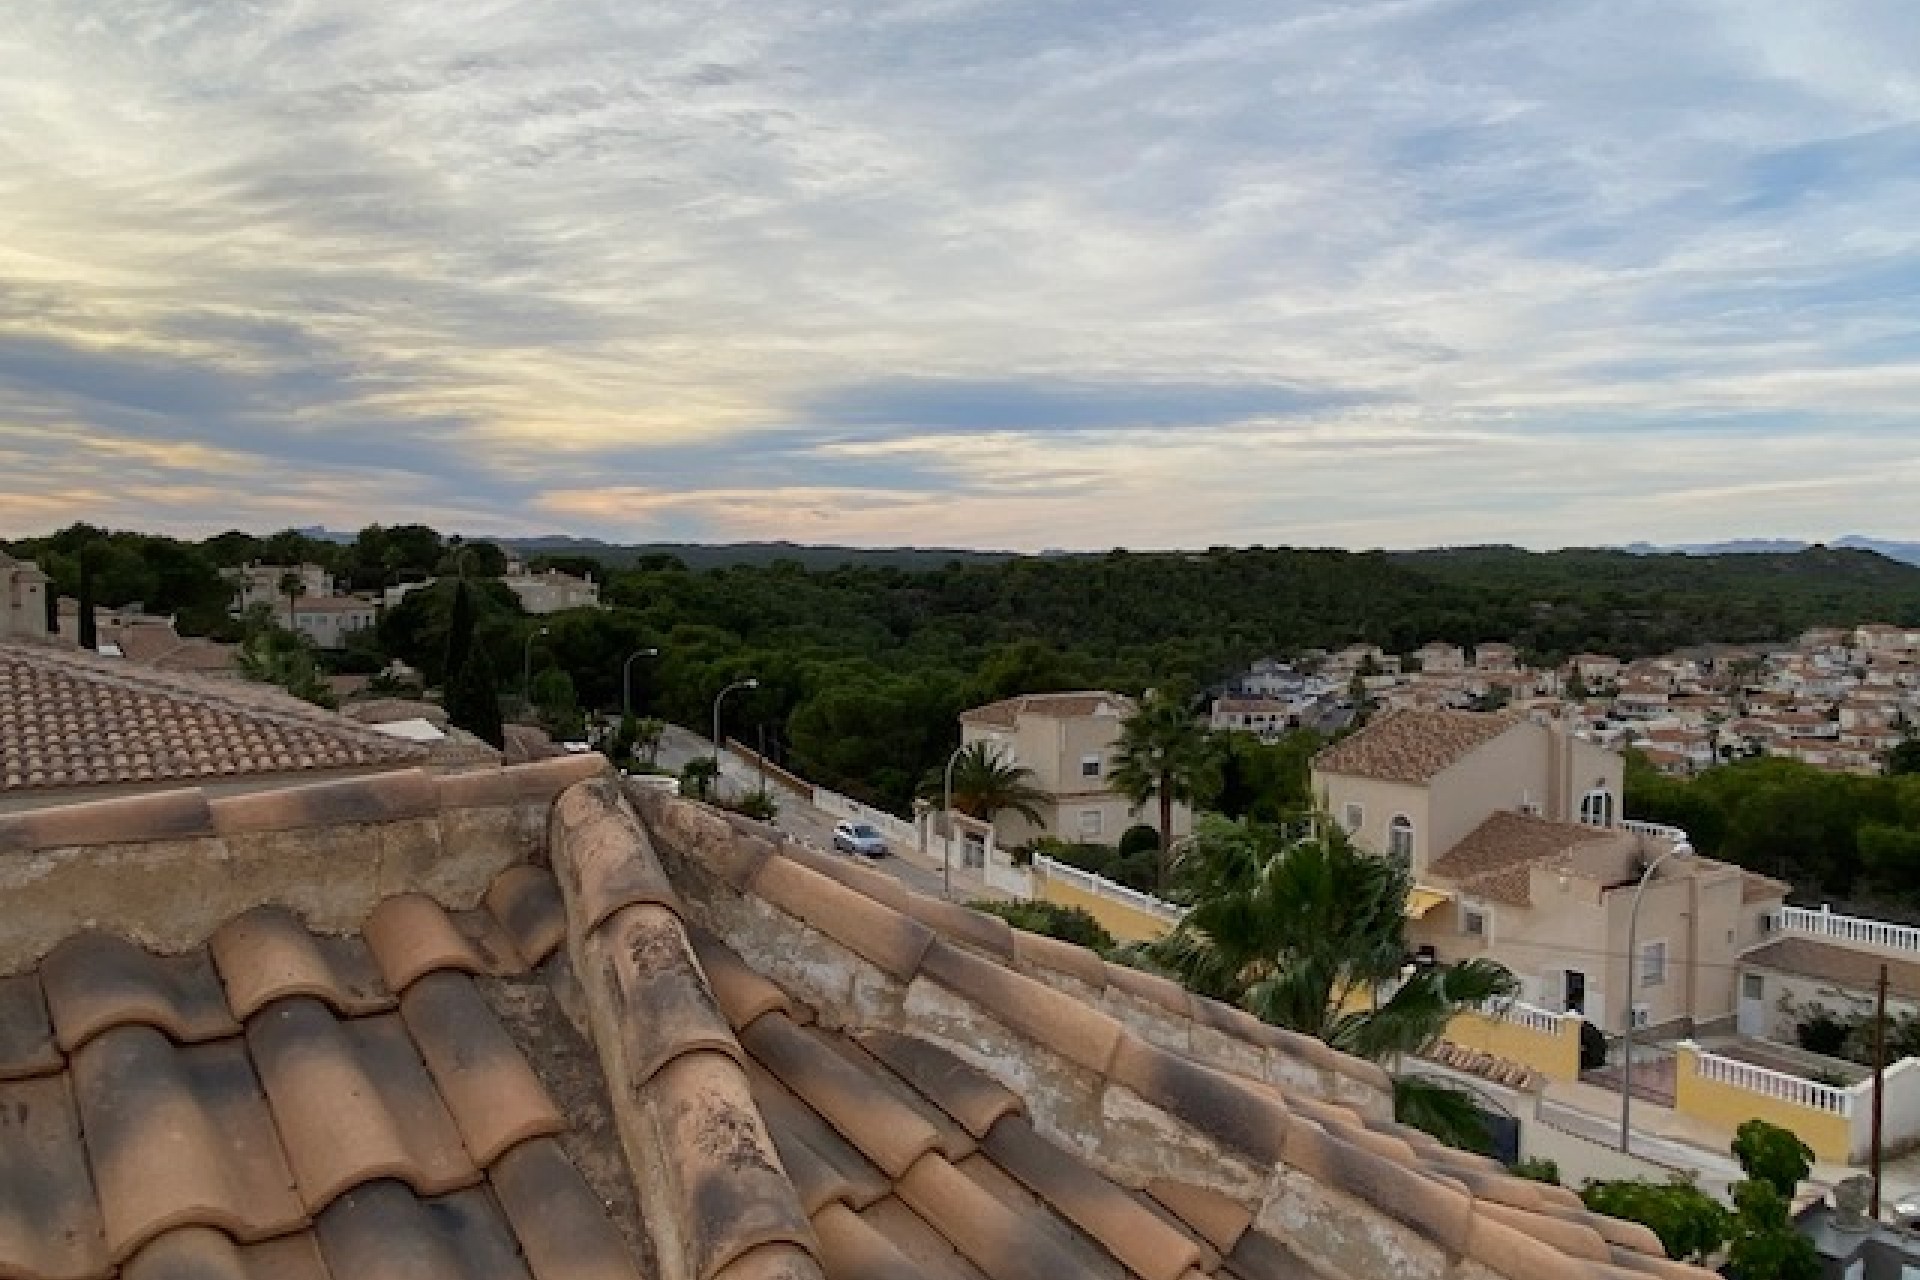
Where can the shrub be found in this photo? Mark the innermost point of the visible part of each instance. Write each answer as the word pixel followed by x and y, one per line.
pixel 1139 838
pixel 757 805
pixel 1536 1169
pixel 1069 924
pixel 1690 1223
pixel 1821 1032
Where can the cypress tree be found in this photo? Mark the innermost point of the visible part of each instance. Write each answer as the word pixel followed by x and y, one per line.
pixel 460 627
pixel 473 699
pixel 52 597
pixel 89 628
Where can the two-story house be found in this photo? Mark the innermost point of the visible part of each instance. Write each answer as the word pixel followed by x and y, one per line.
pixel 1513 832
pixel 1068 741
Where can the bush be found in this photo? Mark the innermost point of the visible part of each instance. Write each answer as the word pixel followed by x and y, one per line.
pixel 1139 838
pixel 1690 1223
pixel 1821 1032
pixel 757 805
pixel 1069 924
pixel 1536 1169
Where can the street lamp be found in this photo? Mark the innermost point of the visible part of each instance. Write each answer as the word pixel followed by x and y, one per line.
pixel 1680 849
pixel 526 666
pixel 626 681
pixel 748 683
pixel 946 823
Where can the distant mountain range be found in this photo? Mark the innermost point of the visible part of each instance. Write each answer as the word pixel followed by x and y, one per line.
pixel 1905 552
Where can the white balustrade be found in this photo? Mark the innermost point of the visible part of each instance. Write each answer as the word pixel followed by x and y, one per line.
pixel 1101 887
pixel 1530 1016
pixel 1655 830
pixel 1777 1084
pixel 1856 930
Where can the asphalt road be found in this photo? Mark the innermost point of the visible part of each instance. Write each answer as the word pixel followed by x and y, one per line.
pixel 799 819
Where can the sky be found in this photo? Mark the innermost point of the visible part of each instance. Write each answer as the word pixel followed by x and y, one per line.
pixel 976 273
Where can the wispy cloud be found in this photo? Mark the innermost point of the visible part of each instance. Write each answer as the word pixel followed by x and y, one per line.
pixel 969 271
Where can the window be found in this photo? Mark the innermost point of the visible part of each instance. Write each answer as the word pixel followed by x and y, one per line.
pixel 1352 816
pixel 1653 964
pixel 1473 920
pixel 1400 838
pixel 1752 986
pixel 1090 822
pixel 973 850
pixel 1596 808
pixel 1642 1017
pixel 1089 766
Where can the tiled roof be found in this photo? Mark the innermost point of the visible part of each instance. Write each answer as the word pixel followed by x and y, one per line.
pixel 1492 859
pixel 283 1104
pixel 1844 966
pixel 1758 888
pixel 1063 706
pixel 70 720
pixel 844 1080
pixel 1411 746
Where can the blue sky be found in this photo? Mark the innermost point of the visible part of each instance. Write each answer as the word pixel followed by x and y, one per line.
pixel 967 272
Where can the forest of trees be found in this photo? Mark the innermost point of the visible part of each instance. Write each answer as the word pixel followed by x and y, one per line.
pixel 864 666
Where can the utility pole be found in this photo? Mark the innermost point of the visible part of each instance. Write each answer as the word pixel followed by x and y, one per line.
pixel 1879 1078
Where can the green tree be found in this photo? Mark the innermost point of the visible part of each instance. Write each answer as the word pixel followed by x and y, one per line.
pixel 1691 1224
pixel 1773 1155
pixel 1304 933
pixel 1165 753
pixel 1904 759
pixel 473 698
pixel 1069 924
pixel 1765 1244
pixel 986 784
pixel 460 626
pixel 697 777
pixel 293 586
pixel 89 635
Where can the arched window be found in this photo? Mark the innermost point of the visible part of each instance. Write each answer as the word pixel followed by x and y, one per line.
pixel 1400 838
pixel 1596 808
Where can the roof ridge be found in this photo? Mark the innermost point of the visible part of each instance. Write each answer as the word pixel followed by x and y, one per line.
pixel 907 940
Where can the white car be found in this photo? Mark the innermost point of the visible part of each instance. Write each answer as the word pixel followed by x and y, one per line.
pixel 859 837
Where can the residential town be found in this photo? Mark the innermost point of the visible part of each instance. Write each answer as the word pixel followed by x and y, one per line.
pixel 1835 698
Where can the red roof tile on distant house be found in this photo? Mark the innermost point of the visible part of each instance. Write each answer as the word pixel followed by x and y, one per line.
pixel 70 719
pixel 1057 706
pixel 1412 746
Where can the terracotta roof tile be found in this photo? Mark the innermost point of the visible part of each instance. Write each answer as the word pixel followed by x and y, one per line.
pixel 563 1229
pixel 354 1102
pixel 496 1101
pixel 1759 888
pixel 527 903
pixel 69 720
pixel 1507 840
pixel 411 936
pixel 1060 706
pixel 1218 1219
pixel 27 1046
pixel 446 1238
pixel 666 1009
pixel 203 1253
pixel 267 955
pixel 180 1136
pixel 95 981
pixel 1412 746
pixel 51 1222
pixel 1843 966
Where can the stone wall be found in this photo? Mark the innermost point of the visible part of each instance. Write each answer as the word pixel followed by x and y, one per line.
pixel 168 868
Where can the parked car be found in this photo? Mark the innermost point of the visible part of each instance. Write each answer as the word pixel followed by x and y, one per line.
pixel 860 838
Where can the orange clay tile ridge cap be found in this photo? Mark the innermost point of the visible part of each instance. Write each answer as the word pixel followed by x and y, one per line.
pixel 1402 1175
pixel 703 1157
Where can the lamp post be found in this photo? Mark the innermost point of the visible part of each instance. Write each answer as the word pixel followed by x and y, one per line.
pixel 1680 849
pixel 526 666
pixel 748 683
pixel 946 823
pixel 626 680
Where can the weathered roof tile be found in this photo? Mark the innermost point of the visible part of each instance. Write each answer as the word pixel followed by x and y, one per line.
pixel 96 981
pixel 495 1099
pixel 267 955
pixel 27 1046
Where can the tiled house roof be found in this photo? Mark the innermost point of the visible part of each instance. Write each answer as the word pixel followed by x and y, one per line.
pixel 71 720
pixel 280 1103
pixel 813 1074
pixel 1842 966
pixel 1494 859
pixel 1412 746
pixel 1065 706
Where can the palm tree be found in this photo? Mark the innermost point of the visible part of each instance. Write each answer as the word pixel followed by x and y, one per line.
pixel 1304 933
pixel 292 586
pixel 985 783
pixel 1163 752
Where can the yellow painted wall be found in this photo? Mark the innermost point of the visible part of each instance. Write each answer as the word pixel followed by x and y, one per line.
pixel 1126 923
pixel 1555 1055
pixel 1727 1108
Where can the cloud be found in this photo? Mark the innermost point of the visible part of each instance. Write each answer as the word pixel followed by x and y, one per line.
pixel 1001 272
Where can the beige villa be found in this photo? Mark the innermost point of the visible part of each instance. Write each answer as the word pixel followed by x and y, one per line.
pixel 1068 740
pixel 1513 831
pixel 23 600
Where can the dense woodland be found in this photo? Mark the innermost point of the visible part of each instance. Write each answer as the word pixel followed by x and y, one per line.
pixel 864 665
